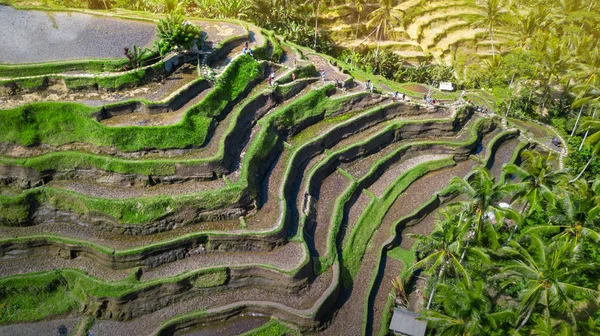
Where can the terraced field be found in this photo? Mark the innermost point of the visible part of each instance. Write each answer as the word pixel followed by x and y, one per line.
pixel 158 201
pixel 430 30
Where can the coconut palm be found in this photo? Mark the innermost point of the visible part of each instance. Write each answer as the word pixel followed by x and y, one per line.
pixel 573 216
pixel 552 61
pixel 443 249
pixel 546 271
pixel 546 326
pixel 492 14
pixel 537 177
pixel 386 17
pixel 467 309
pixel 483 198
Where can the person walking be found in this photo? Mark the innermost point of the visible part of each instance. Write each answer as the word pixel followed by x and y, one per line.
pixel 293 76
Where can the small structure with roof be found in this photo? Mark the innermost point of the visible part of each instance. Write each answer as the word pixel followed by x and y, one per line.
pixel 405 323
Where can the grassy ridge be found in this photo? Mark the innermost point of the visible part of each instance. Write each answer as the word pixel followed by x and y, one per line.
pixel 111 82
pixel 35 296
pixel 375 212
pixel 92 65
pixel 57 124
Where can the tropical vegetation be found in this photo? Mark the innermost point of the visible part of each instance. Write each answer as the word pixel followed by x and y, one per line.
pixel 534 269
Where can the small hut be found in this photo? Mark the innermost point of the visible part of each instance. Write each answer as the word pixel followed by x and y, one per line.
pixel 405 323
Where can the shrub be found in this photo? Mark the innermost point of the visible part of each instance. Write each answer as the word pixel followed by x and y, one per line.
pixel 175 32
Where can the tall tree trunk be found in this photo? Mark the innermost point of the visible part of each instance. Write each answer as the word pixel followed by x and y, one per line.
pixel 378 42
pixel 509 105
pixel 492 37
pixel 525 320
pixel 545 96
pixel 316 24
pixel 357 25
pixel 587 131
pixel 435 285
pixel 584 168
pixel 529 101
pixel 577 121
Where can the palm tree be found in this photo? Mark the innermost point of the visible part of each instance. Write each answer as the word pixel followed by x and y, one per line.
pixel 467 311
pixel 537 180
pixel 546 326
pixel 552 61
pixel 546 270
pixel 492 13
pixel 443 249
pixel 528 22
pixel 574 216
pixel 483 195
pixel 385 17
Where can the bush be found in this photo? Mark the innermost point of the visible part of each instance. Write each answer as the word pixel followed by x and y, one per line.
pixel 175 32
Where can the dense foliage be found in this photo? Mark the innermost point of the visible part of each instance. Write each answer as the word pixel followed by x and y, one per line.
pixel 176 33
pixel 529 268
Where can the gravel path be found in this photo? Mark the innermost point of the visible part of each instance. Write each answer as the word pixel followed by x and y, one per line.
pixel 35 36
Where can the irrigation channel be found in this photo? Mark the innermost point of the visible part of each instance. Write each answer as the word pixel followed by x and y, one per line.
pixel 196 207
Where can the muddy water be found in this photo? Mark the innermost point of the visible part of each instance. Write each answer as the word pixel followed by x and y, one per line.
pixel 36 36
pixel 234 326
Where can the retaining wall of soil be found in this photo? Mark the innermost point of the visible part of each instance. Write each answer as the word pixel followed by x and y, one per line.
pixel 307 319
pixel 153 298
pixel 146 257
pixel 175 103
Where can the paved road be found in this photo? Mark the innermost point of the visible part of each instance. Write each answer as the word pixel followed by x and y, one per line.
pixel 37 36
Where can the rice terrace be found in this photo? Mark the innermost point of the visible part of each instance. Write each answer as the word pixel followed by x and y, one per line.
pixel 283 167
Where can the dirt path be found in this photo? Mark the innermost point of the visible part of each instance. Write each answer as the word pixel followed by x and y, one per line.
pixel 331 73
